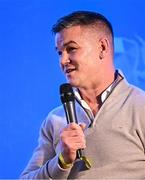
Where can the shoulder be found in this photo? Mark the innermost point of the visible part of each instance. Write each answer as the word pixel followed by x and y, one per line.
pixel 131 90
pixel 131 97
pixel 138 95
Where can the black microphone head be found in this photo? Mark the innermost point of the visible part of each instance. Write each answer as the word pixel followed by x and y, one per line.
pixel 66 93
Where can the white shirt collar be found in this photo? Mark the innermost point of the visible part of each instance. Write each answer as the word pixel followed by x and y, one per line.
pixel 84 104
pixel 104 95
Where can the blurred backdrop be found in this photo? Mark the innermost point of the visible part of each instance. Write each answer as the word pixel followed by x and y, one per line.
pixel 29 68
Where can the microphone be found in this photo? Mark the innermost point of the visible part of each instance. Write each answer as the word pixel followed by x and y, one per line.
pixel 68 100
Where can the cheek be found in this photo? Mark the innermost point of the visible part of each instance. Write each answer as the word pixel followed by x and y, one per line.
pixel 90 56
pixel 84 60
pixel 75 56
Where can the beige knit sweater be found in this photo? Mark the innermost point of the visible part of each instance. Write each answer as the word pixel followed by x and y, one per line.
pixel 115 142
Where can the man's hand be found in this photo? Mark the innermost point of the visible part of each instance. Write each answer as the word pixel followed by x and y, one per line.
pixel 72 138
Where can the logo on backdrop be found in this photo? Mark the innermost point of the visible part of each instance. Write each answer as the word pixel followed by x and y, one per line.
pixel 130 58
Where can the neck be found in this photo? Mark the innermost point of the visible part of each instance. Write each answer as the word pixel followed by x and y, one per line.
pixel 92 94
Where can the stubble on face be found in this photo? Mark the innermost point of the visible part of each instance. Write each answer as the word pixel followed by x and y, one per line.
pixel 85 57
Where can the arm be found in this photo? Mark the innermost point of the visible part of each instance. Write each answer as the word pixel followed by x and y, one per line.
pixel 44 162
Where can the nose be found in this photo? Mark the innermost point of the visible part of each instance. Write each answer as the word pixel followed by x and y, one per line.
pixel 64 59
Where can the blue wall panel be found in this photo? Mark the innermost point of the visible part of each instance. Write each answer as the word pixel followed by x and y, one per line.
pixel 29 69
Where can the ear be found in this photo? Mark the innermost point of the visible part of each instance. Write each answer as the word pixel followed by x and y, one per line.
pixel 103 47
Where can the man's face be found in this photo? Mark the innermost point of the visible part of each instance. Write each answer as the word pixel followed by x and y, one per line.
pixel 79 55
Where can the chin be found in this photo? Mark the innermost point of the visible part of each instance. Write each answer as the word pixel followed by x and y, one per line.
pixel 73 83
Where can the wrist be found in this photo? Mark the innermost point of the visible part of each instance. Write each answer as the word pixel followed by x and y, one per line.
pixel 62 162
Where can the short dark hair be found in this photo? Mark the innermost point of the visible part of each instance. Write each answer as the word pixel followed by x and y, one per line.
pixel 82 18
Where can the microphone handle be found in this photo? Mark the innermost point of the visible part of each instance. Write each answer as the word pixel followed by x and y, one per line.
pixel 78 154
pixel 70 112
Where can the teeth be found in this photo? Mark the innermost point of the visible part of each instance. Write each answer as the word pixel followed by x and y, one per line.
pixel 69 70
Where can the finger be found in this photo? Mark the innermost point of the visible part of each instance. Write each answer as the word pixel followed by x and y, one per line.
pixel 83 126
pixel 72 134
pixel 75 144
pixel 70 126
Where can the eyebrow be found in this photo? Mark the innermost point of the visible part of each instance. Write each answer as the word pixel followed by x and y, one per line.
pixel 66 44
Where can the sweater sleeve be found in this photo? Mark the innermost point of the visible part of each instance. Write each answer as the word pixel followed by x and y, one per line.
pixel 44 161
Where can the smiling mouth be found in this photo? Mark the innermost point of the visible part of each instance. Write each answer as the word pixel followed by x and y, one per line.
pixel 68 71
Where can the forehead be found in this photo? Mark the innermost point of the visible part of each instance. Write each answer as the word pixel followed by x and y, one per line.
pixel 75 33
pixel 68 33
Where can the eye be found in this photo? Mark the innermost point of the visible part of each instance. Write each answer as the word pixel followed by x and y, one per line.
pixel 59 53
pixel 71 49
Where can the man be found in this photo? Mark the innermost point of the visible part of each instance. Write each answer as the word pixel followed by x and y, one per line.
pixel 110 112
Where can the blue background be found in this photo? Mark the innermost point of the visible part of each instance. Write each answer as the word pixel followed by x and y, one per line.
pixel 29 69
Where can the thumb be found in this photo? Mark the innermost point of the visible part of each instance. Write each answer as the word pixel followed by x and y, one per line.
pixel 83 126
